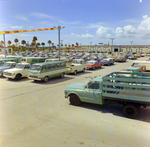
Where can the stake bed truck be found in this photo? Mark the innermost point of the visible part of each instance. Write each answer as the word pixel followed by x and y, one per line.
pixel 132 90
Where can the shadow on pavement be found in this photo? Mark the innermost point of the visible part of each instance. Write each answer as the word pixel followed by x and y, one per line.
pixel 117 110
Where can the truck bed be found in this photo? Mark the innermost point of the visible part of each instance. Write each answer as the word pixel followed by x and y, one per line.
pixel 127 86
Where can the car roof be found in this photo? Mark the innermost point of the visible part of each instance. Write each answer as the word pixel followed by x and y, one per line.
pixel 47 63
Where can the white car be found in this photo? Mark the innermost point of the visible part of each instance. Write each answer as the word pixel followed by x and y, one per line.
pixel 77 66
pixel 20 70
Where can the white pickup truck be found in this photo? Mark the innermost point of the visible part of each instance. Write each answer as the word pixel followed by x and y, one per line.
pixel 77 65
pixel 20 70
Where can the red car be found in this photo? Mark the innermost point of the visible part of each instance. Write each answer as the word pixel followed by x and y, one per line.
pixel 93 64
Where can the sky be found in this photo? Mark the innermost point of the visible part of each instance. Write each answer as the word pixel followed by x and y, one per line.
pixel 87 22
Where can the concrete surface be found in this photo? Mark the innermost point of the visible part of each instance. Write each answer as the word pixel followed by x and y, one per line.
pixel 36 114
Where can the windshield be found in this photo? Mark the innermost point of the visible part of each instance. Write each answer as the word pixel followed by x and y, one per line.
pixel 90 62
pixel 19 66
pixel 77 61
pixel 6 65
pixel 36 67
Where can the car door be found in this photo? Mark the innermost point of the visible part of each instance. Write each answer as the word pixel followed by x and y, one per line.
pixel 92 92
pixel 25 71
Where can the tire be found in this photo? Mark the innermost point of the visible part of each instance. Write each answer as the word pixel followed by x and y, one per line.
pixel 18 77
pixel 46 79
pixel 130 111
pixel 62 75
pixel 93 68
pixel 74 100
pixel 75 72
pixel 83 70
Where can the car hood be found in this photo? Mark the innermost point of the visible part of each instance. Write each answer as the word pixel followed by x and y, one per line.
pixel 90 64
pixel 76 86
pixel 14 69
pixel 4 68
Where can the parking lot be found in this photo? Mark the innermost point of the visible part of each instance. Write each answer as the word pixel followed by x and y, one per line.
pixel 36 114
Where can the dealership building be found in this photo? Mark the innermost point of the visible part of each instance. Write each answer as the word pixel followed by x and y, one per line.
pixel 116 48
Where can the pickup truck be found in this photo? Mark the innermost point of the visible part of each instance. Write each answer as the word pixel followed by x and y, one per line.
pixel 77 65
pixel 132 90
pixel 19 71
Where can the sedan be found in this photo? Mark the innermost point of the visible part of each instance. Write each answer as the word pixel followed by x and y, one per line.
pixel 93 64
pixel 107 61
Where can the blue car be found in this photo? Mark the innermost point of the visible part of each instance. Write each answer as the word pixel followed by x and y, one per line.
pixel 6 65
pixel 107 61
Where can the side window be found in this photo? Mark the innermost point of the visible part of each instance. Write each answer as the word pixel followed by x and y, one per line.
pixel 93 85
pixel 53 66
pixel 44 68
pixel 26 67
pixel 49 66
pixel 57 65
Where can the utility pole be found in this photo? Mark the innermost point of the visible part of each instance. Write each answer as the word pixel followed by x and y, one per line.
pixel 112 44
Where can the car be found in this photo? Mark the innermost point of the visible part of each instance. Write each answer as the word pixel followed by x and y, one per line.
pixel 92 64
pixel 6 65
pixel 132 57
pixel 107 61
pixel 19 71
pixel 120 59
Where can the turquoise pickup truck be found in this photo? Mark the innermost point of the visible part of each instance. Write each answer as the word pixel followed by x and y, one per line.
pixel 132 90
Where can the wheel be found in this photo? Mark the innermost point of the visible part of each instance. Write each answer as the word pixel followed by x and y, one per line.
pixel 62 75
pixel 108 64
pixel 46 79
pixel 18 77
pixel 75 72
pixel 74 100
pixel 93 68
pixel 130 111
pixel 83 70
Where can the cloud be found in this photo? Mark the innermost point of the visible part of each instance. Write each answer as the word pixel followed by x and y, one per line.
pixel 93 25
pixel 103 32
pixel 21 17
pixel 144 27
pixel 16 27
pixel 118 32
pixel 82 36
pixel 129 31
pixel 41 15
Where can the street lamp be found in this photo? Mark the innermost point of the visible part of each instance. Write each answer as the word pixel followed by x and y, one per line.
pixel 59 28
pixel 131 45
pixel 112 43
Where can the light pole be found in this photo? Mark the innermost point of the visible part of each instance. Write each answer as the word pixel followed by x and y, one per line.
pixel 59 28
pixel 131 45
pixel 112 44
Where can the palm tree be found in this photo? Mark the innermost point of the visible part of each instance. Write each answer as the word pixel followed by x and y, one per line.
pixel 38 44
pixel 43 45
pixel 35 39
pixel 49 42
pixel 9 42
pixel 77 43
pixel 16 41
pixel 23 42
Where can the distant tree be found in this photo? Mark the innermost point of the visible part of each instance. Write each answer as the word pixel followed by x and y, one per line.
pixel 77 43
pixel 35 39
pixel 49 42
pixel 65 45
pixel 9 42
pixel 16 41
pixel 72 45
pixel 23 42
pixel 38 44
pixel 43 45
